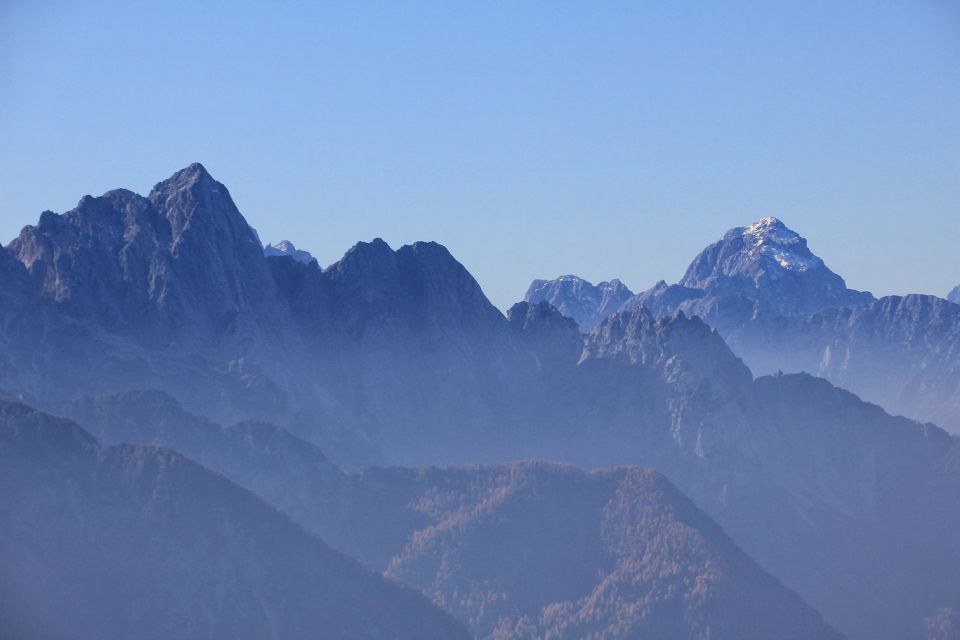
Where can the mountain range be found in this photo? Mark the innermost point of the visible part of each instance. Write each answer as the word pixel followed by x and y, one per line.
pixel 483 543
pixel 780 308
pixel 159 321
pixel 133 541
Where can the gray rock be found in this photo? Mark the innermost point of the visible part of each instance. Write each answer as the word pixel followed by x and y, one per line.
pixel 286 248
pixel 954 295
pixel 576 298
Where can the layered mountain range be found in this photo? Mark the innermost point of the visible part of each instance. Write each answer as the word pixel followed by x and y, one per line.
pixel 133 541
pixel 481 542
pixel 160 321
pixel 780 308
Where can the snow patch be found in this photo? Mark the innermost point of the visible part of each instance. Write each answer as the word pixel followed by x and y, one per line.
pixel 769 237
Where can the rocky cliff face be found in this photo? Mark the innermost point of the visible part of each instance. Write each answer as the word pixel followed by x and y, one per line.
pixel 752 280
pixel 900 352
pixel 181 260
pixel 770 264
pixel 576 298
pixel 173 292
pixel 287 248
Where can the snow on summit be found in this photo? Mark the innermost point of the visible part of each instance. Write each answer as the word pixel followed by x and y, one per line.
pixel 769 237
pixel 286 248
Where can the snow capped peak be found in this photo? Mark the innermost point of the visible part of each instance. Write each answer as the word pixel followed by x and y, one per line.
pixel 286 248
pixel 769 238
pixel 767 225
pixel 767 262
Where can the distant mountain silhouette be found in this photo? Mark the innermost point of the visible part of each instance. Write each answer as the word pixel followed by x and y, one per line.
pixel 576 298
pixel 132 541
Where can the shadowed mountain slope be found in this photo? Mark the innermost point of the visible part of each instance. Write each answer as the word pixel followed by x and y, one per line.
pixel 134 541
pixel 533 550
pixel 485 542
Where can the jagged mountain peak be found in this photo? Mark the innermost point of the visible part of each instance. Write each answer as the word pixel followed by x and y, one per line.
pixel 191 174
pixel 954 295
pixel 522 312
pixel 768 266
pixel 555 338
pixel 377 259
pixel 579 299
pixel 429 250
pixel 416 286
pixel 112 208
pixel 376 247
pixel 770 226
pixel 191 197
pixel 373 262
pixel 185 251
pixel 766 249
pixel 770 238
pixel 287 248
pixel 675 343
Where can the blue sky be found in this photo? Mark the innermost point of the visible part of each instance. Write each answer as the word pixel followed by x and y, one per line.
pixel 606 139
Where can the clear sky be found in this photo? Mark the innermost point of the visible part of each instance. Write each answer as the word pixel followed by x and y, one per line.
pixel 606 139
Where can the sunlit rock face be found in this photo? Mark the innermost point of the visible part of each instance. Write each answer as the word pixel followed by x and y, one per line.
pixel 286 248
pixel 574 297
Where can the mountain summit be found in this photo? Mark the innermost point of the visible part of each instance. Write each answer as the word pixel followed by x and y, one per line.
pixel 286 248
pixel 765 247
pixel 183 257
pixel 764 269
pixel 576 298
pixel 954 295
pixel 769 263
